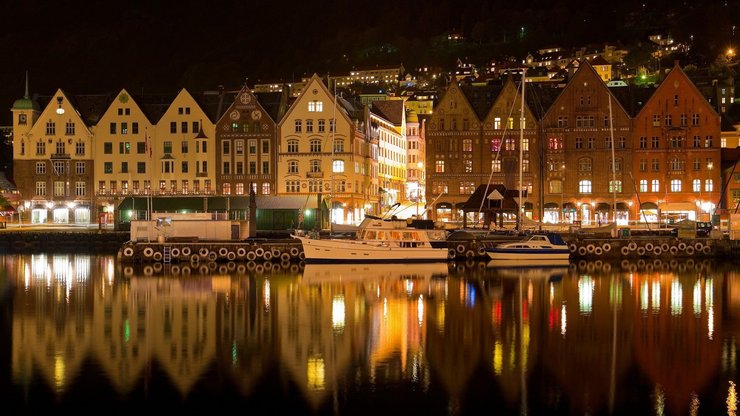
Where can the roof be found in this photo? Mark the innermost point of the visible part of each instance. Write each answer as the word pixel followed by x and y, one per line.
pixel 489 192
pixel 275 103
pixel 391 110
pixel 481 98
pixel 90 106
pixel 599 60
pixel 632 98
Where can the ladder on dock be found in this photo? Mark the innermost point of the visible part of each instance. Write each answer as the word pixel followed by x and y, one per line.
pixel 167 254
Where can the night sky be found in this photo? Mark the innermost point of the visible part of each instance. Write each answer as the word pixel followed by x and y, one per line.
pixel 162 46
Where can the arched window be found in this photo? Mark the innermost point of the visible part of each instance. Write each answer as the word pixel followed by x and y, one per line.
pixel 292 166
pixel 584 164
pixel 292 146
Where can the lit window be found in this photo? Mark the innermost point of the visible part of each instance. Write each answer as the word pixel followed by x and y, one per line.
pixel 584 187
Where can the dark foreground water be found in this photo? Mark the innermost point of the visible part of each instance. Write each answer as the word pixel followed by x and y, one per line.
pixel 82 333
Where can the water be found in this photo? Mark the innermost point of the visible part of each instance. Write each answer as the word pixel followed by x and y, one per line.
pixel 82 332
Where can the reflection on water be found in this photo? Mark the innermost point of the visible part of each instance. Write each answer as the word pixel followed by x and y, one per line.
pixel 587 338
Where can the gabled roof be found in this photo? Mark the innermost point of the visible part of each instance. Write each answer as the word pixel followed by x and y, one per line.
pixel 90 106
pixel 275 103
pixel 391 110
pixel 599 60
pixel 481 98
pixel 632 97
pixel 677 71
pixel 491 199
pixel 539 97
pixel 214 103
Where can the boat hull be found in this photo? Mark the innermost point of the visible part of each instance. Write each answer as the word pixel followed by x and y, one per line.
pixel 528 254
pixel 354 251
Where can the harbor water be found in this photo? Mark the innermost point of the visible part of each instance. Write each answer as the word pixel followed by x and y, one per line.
pixel 634 337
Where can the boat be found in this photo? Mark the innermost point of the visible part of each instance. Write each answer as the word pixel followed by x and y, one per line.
pixel 552 270
pixel 378 240
pixel 549 246
pixel 359 272
pixel 528 264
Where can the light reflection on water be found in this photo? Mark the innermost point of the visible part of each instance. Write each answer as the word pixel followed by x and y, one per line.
pixel 590 337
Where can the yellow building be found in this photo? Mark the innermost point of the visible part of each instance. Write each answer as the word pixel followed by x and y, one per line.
pixel 324 151
pixel 52 160
pixel 182 153
pixel 388 120
pixel 122 163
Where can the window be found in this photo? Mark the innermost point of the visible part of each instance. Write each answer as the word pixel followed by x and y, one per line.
pixel 525 165
pixel 675 100
pixel 709 185
pixel 338 166
pixel 112 128
pixel 265 146
pixel 60 148
pixel 135 128
pixel 584 164
pixel 655 185
pixel 315 146
pixel 684 120
pixel 579 143
pixel 108 167
pixel 293 186
pixel 655 165
pixel 124 128
pixel 59 168
pixel 140 148
pixel 643 185
pixel 226 168
pixel 140 167
pixel 676 142
pixel 555 143
pixel 668 120
pixel 467 145
pixel 315 106
pixel 695 119
pixel 315 166
pixel 497 123
pixel 525 144
pixel 708 141
pixel 467 165
pixel 40 168
pixel 696 185
pixel 80 148
pixel 80 188
pixel 108 148
pixel 617 165
pixel 710 163
pixel 239 168
pixel 41 148
pixel 265 167
pixel 622 142
pixel 697 141
pixel 496 165
pixel 196 126
pixel 338 146
pixel 124 148
pixel 654 142
pixel 292 146
pixel 226 189
pixel 321 126
pixel 676 164
pixel 556 186
pixel 239 147
pixel 467 188
pixel 675 185
pixel 591 143
pixel 309 126
pixel 618 186
pixel 656 120
pixel 173 127
pixel 298 126
pixel 643 165
pixel 584 187
pixel 293 166
pixel 167 147
pixel 562 122
pixel 266 188
pixel 184 147
pixel 184 167
pixel 124 167
pixel 80 168
pixel 69 128
pixel 331 125
pixel 439 166
pixel 495 145
pixel 643 142
pixel 41 188
pixel 439 187
pixel 184 127
pixel 697 163
pixel 225 147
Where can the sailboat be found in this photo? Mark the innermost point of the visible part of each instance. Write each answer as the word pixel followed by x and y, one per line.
pixel 548 246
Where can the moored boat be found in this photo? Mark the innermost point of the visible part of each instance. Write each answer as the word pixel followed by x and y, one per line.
pixel 378 241
pixel 550 246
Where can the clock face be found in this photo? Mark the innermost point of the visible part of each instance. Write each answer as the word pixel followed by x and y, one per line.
pixel 256 115
pixel 234 115
pixel 245 98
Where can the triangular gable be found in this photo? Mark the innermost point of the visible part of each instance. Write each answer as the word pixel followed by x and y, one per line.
pixel 245 102
pixel 123 97
pixel 670 78
pixel 454 93
pixel 185 96
pixel 500 108
pixel 587 73
pixel 312 84
pixel 51 112
pixel 495 195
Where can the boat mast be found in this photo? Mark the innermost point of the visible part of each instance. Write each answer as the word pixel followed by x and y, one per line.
pixel 521 154
pixel 614 165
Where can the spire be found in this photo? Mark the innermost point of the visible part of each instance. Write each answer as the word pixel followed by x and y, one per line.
pixel 26 96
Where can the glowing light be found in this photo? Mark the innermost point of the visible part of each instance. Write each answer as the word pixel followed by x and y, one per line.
pixel 656 297
pixel 710 322
pixel 498 358
pixel 563 321
pixel 337 313
pixel 659 404
pixel 731 400
pixel 59 372
pixel 266 294
pixel 697 299
pixel 420 310
pixel 585 295
pixel 676 298
pixel 316 374
pixel 694 405
pixel 644 297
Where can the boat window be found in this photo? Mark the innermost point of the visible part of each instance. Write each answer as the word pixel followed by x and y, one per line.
pixel 370 235
pixel 395 235
pixel 408 236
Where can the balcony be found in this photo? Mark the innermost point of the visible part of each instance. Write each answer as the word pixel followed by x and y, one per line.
pixel 314 174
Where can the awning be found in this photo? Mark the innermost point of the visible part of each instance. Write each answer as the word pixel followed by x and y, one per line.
pixel 287 202
pixel 677 207
pixel 551 205
pixel 603 206
pixel 648 205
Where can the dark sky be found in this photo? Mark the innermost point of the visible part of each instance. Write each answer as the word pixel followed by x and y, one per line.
pixel 162 46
